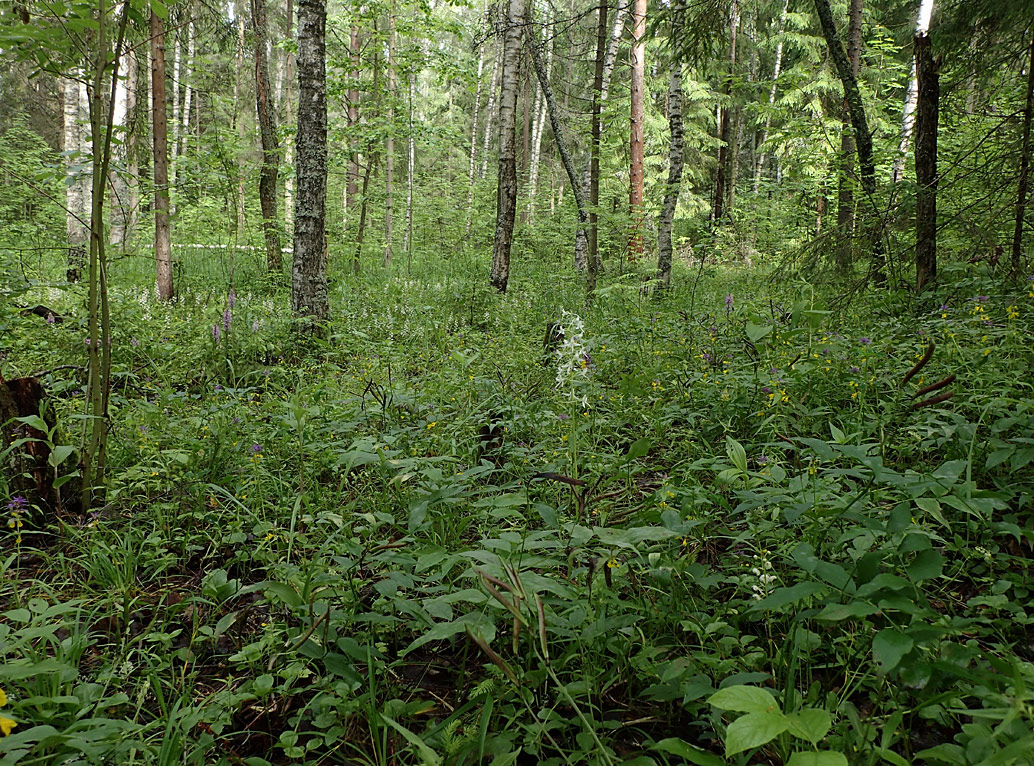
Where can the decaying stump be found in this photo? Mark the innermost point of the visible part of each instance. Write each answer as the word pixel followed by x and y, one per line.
pixel 27 466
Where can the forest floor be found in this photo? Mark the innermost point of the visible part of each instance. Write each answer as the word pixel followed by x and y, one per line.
pixel 710 526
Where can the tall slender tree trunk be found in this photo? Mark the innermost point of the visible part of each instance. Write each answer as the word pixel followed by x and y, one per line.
pixel 389 149
pixel 908 116
pixel 187 74
pixel 352 179
pixel 560 140
pixel 270 168
pixel 160 133
pixel 132 158
pixel 74 110
pixel 845 188
pixel 117 176
pixel 288 103
pixel 539 129
pixel 1021 192
pixel 309 273
pixel 242 131
pixel 411 167
pixel 776 69
pixel 490 111
pixel 473 135
pixel 926 161
pixel 725 134
pixel 675 163
pixel 506 198
pixel 636 146
pixel 863 138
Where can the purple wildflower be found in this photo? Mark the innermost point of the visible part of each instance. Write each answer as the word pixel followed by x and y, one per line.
pixel 728 302
pixel 256 448
pixel 215 332
pixel 854 369
pixel 255 326
pixel 231 299
pixel 51 318
pixel 766 390
pixel 17 504
pixel 134 342
pixel 563 416
pixel 864 341
pixel 227 319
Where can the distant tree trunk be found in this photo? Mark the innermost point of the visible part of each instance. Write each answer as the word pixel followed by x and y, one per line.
pixel 372 159
pixel 506 198
pixel 132 164
pixel 119 180
pixel 186 74
pixel 635 146
pixel 287 92
pixel 242 131
pixel 591 174
pixel 845 188
pixel 675 163
pixel 542 73
pixel 160 132
pixel 389 149
pixel 911 97
pixel 863 138
pixel 771 97
pixel 409 174
pixel 75 146
pixel 267 133
pixel 490 111
pixel 309 273
pixel 352 180
pixel 1021 193
pixel 539 129
pixel 926 162
pixel 473 137
pixel 725 134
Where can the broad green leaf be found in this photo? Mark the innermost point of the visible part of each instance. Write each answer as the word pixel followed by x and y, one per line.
pixel 926 565
pixel 889 646
pixel 791 595
pixel 743 699
pixel 737 454
pixel 640 448
pixel 837 612
pixel 753 730
pixel 692 753
pixel 810 723
pixel 284 592
pixel 818 758
pixel 757 332
pixel 427 755
pixel 60 454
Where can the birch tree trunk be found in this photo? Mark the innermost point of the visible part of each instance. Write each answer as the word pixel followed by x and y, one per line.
pixel 288 114
pixel 409 174
pixel 489 116
pixel 125 98
pixel 845 188
pixel 928 104
pixel 309 273
pixel 721 181
pixel 506 198
pixel 771 97
pixel 389 149
pixel 160 133
pixel 911 97
pixel 75 145
pixel 581 242
pixel 539 129
pixel 675 163
pixel 242 131
pixel 267 133
pixel 352 180
pixel 635 146
pixel 188 92
pixel 473 132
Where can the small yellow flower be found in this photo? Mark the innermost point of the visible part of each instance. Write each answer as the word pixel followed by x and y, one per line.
pixel 7 725
pixel 3 698
pixel 612 563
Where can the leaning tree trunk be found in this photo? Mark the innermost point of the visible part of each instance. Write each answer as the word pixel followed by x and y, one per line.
pixel 926 162
pixel 1021 193
pixel 541 71
pixel 675 162
pixel 637 121
pixel 506 196
pixel 160 173
pixel 309 274
pixel 267 133
pixel 75 146
pixel 845 189
pixel 863 138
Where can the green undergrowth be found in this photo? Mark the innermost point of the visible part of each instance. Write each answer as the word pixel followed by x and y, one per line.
pixel 708 527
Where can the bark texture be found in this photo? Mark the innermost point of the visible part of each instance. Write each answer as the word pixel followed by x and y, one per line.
pixel 635 145
pixel 926 161
pixel 506 196
pixel 845 182
pixel 75 145
pixel 160 133
pixel 675 163
pixel 1021 194
pixel 771 97
pixel 389 148
pixel 725 134
pixel 309 275
pixel 270 169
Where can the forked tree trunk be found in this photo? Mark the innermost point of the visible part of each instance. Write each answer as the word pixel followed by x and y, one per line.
pixel 309 274
pixel 1021 193
pixel 267 133
pixel 845 188
pixel 506 197
pixel 635 145
pixel 926 162
pixel 675 163
pixel 160 133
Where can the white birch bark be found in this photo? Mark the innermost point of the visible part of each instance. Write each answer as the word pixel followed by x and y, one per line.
pixel 908 117
pixel 771 97
pixel 489 115
pixel 75 146
pixel 118 173
pixel 389 149
pixel 411 168
pixel 539 128
pixel 473 135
